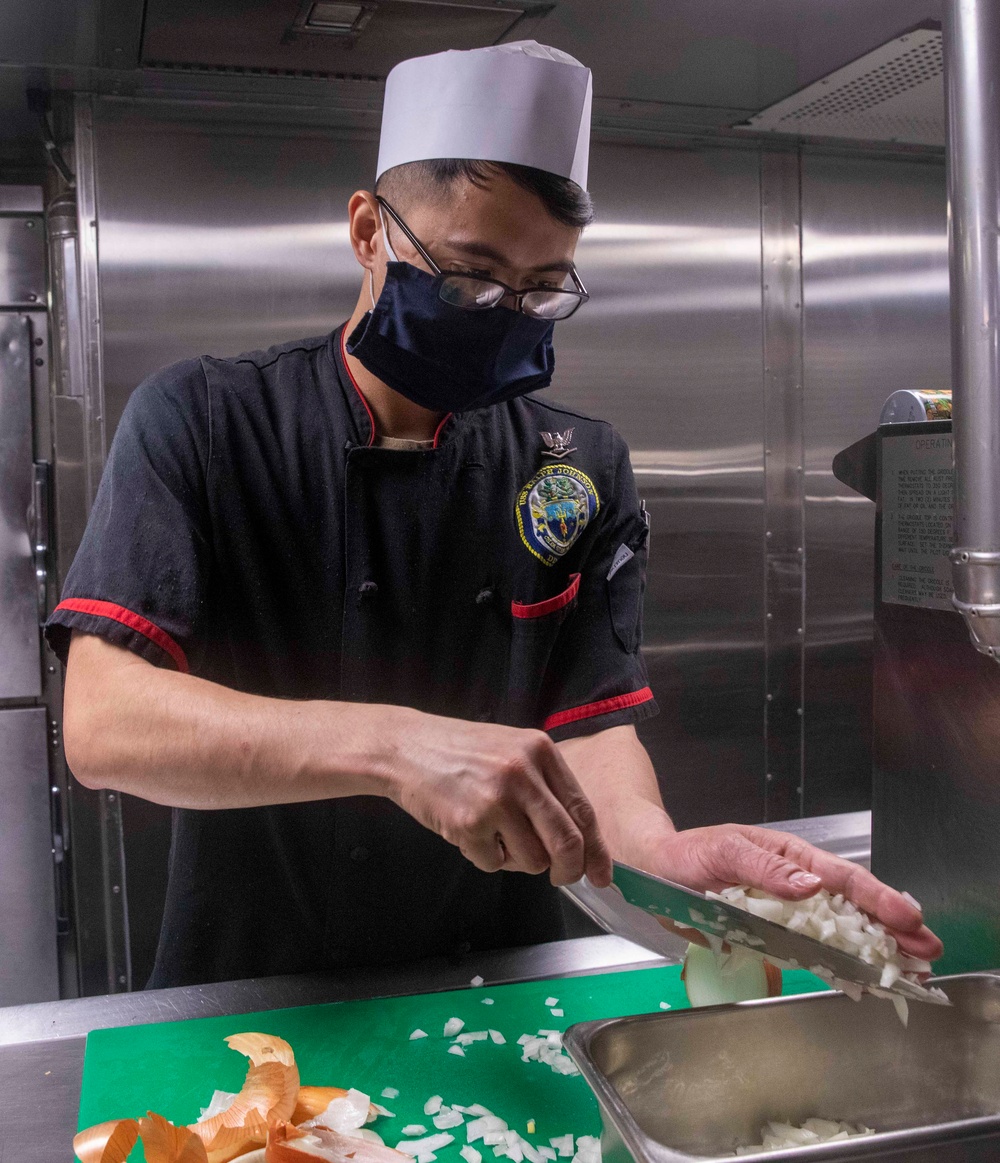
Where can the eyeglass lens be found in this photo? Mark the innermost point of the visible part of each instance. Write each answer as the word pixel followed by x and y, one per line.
pixel 480 294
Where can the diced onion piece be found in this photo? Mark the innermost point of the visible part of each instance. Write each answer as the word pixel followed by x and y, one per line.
pixel 477 981
pixel 108 1142
pixel 497 1038
pixel 433 1104
pixel 390 1092
pixel 456 1050
pixel 470 1154
pixel 418 1034
pixel 453 1026
pixel 432 1143
pixel 551 1001
pixel 345 1112
pixel 487 1001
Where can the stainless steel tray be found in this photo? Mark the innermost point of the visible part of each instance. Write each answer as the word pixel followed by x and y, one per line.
pixel 696 1084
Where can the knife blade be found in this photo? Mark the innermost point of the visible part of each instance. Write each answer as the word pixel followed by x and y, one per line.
pixel 736 926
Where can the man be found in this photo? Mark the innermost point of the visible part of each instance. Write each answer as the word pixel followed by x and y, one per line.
pixel 367 615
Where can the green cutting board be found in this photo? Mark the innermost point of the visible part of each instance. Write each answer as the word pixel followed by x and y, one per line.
pixel 173 1067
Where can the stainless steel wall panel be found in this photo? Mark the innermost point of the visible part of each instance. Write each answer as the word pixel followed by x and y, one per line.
pixel 22 261
pixel 218 239
pixel 28 959
pixel 20 659
pixel 875 272
pixel 669 350
pixel 781 297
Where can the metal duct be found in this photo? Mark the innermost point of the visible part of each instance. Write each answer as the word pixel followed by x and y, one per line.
pixel 972 69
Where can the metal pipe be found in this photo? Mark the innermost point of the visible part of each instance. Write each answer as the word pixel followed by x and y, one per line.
pixel 972 74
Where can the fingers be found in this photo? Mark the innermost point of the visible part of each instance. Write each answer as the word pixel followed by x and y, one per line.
pixel 486 852
pixel 563 784
pixel 738 859
pixel 901 918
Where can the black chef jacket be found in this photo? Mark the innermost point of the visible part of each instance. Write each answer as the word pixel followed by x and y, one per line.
pixel 247 530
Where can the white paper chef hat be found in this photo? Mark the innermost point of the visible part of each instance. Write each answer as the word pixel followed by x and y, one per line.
pixel 521 102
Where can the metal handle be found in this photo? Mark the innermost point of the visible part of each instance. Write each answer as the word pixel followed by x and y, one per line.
pixel 40 533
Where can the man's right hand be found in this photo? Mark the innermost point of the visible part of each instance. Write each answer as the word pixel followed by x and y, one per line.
pixel 504 796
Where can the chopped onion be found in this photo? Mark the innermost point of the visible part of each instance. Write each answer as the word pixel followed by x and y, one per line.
pixel 447 1118
pixel 414 1129
pixel 546 1047
pixel 470 1154
pixel 557 1013
pixel 551 1001
pixel 433 1104
pixel 665 1005
pixel 453 1026
pixel 344 1113
pixel 456 1050
pixel 839 923
pixel 390 1092
pixel 487 1001
pixel 497 1038
pixel 476 981
pixel 418 1034
pixel 563 1145
pixel 422 1146
pixel 780 1136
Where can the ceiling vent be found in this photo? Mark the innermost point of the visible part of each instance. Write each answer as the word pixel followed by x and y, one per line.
pixel 894 93
pixel 324 37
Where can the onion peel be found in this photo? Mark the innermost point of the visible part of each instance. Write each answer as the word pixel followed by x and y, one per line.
pixel 268 1095
pixel 261 1048
pixel 165 1143
pixel 312 1101
pixel 108 1142
pixel 332 1146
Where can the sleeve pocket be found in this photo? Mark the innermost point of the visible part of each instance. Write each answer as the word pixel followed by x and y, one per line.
pixel 626 585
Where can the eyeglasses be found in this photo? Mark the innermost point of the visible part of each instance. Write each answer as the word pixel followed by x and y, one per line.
pixel 474 292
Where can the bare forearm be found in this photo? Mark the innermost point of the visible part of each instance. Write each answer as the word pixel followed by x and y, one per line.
pixel 185 742
pixel 615 772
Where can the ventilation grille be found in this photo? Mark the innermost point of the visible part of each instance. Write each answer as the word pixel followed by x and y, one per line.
pixel 894 93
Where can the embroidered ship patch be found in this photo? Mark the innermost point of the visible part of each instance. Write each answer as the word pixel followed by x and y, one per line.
pixel 554 508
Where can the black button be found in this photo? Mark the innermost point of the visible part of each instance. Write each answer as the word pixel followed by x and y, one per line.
pixel 483 597
pixel 359 855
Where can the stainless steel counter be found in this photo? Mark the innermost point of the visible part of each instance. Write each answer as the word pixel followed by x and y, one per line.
pixel 41 1046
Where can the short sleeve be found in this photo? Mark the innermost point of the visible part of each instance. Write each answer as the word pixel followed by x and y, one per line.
pixel 596 676
pixel 139 578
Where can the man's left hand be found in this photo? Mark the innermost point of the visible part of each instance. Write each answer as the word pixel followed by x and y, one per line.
pixel 711 859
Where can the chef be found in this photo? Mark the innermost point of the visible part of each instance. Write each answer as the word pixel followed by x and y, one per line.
pixel 365 609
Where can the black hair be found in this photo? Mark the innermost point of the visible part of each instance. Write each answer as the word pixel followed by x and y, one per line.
pixel 564 200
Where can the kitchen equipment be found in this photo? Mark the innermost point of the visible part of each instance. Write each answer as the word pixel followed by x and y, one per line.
pixel 653 894
pixel 173 1067
pixel 697 1084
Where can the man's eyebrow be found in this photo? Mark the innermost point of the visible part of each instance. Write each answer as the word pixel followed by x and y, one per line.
pixel 484 250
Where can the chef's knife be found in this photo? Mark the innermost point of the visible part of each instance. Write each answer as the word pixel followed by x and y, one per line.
pixel 725 922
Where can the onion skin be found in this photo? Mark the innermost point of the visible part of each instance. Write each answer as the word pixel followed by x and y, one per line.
pixel 312 1101
pixel 261 1048
pixel 337 1148
pixel 108 1142
pixel 165 1143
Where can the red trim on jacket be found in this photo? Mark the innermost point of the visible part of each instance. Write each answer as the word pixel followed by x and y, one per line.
pixel 550 605
pixel 604 707
pixel 361 395
pixel 437 434
pixel 133 621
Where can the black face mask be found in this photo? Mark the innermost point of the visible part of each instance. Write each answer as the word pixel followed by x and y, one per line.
pixel 447 358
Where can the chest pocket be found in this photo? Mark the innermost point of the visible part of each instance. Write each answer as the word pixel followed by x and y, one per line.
pixel 534 630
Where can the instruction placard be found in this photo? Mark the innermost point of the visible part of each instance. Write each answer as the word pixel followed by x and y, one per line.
pixel 917 520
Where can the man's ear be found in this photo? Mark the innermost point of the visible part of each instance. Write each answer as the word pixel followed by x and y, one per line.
pixel 363 223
